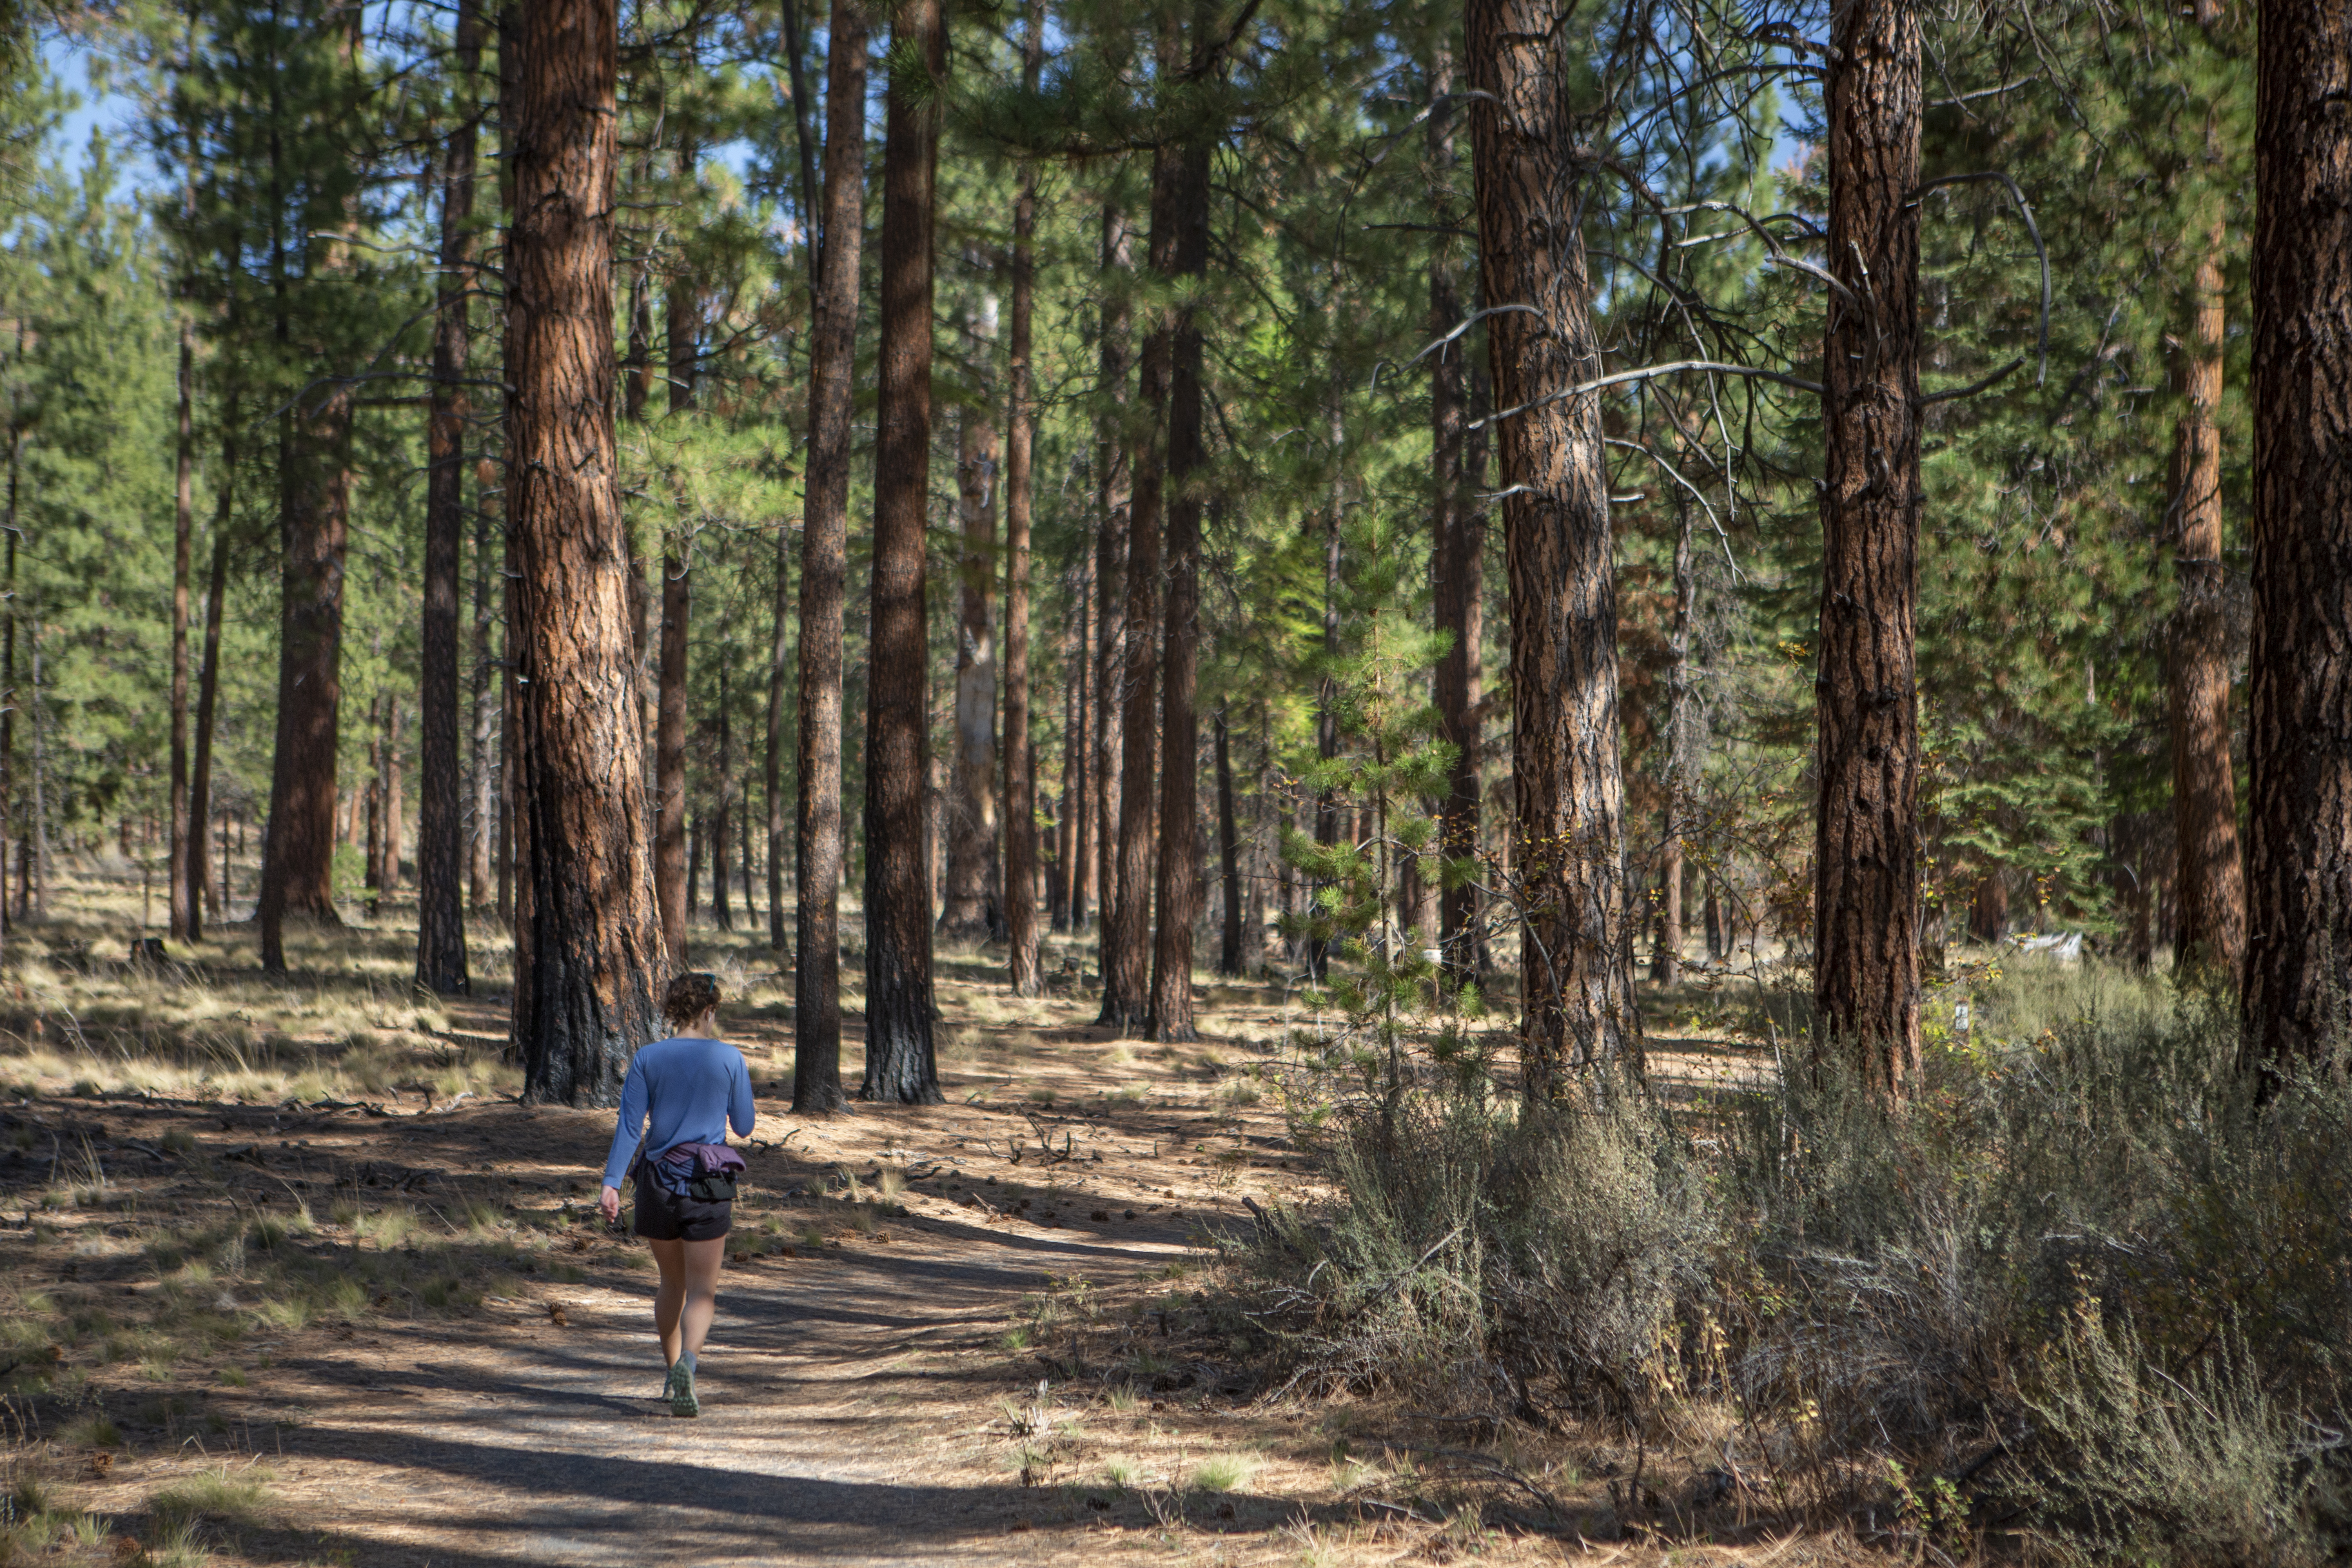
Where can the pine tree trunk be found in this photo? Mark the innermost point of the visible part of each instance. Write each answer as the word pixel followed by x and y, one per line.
pixel 636 391
pixel 1867 853
pixel 371 810
pixel 670 895
pixel 824 557
pixel 780 671
pixel 744 849
pixel 1178 862
pixel 1068 802
pixel 1457 533
pixel 2297 997
pixel 1114 514
pixel 200 783
pixel 2204 794
pixel 440 828
pixel 682 318
pixel 37 903
pixel 1127 934
pixel 509 744
pixel 298 860
pixel 680 325
pixel 972 910
pixel 1988 909
pixel 1330 813
pixel 588 954
pixel 387 878
pixel 1020 486
pixel 1077 846
pixel 1261 858
pixel 484 831
pixel 8 694
pixel 1682 755
pixel 772 759
pixel 1229 857
pixel 900 1065
pixel 188 846
pixel 1577 996
pixel 721 790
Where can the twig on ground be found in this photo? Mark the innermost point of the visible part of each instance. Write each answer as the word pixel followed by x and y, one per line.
pixel 1394 1508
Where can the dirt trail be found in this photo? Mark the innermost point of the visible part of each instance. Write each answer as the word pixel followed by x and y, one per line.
pixel 849 1419
pixel 964 1334
pixel 902 1283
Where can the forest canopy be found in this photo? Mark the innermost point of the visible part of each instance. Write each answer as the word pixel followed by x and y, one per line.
pixel 1564 491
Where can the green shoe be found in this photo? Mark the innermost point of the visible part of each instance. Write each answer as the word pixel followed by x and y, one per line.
pixel 680 1390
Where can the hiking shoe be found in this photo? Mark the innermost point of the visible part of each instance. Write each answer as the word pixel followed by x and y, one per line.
pixel 679 1390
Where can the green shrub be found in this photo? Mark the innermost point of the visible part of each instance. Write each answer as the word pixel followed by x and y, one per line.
pixel 2089 1243
pixel 2205 1469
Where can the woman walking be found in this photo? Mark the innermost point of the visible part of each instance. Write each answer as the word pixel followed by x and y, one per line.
pixel 682 1094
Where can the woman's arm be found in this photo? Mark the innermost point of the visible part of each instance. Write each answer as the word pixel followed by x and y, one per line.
pixel 740 1109
pixel 630 1126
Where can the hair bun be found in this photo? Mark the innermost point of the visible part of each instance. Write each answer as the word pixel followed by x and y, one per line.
pixel 691 995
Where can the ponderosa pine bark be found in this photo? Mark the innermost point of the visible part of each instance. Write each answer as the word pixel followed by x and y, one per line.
pixel 313 517
pixel 200 781
pixel 1667 958
pixel 1577 996
pixel 1114 508
pixel 972 910
pixel 1020 499
pixel 440 826
pixel 11 696
pixel 780 651
pixel 387 874
pixel 2212 889
pixel 669 758
pixel 589 957
pixel 1328 830
pixel 824 566
pixel 298 858
pixel 388 869
pixel 1126 934
pixel 636 394
pixel 901 1063
pixel 2297 995
pixel 1077 846
pixel 680 313
pixel 1866 845
pixel 184 896
pixel 1457 596
pixel 483 827
pixel 8 695
pixel 1178 869
pixel 1229 858
pixel 1070 804
pixel 187 841
pixel 722 787
pixel 771 756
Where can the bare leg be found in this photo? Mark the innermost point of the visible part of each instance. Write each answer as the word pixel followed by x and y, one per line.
pixel 689 1295
pixel 702 1260
pixel 669 1256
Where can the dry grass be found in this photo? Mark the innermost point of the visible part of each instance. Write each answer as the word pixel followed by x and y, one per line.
pixel 207 1235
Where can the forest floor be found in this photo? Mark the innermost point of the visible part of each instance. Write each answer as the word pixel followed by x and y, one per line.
pixel 288 1275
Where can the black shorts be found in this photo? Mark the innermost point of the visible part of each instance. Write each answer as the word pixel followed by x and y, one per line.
pixel 666 1216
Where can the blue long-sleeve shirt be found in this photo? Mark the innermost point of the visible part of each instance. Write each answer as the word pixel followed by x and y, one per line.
pixel 692 1089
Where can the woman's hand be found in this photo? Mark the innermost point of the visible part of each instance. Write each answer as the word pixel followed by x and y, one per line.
pixel 608 1204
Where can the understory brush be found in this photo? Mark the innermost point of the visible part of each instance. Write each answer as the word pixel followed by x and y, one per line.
pixel 2082 1285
